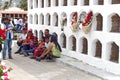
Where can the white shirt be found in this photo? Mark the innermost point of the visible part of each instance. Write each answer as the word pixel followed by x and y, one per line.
pixel 22 36
pixel 20 21
pixel 47 44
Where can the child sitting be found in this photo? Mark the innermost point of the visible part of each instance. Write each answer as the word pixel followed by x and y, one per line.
pixel 39 49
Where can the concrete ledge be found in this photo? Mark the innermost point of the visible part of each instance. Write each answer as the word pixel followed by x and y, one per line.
pixel 87 68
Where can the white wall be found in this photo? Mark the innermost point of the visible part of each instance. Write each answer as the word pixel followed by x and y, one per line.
pixel 103 36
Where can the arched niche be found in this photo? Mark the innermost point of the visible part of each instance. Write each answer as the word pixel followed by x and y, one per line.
pixel 36 33
pixel 115 21
pixel 41 19
pixel 98 49
pixel 40 34
pixel 48 3
pixel 48 18
pixel 31 19
pixel 63 40
pixel 99 21
pixel 36 3
pixel 64 2
pixel 55 2
pixel 41 3
pixel 115 1
pixel 72 43
pixel 36 18
pixel 114 57
pixel 31 4
pixel 84 46
pixel 86 2
pixel 98 2
pixel 55 19
pixel 73 2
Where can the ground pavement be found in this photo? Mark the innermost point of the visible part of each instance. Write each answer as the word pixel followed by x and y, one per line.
pixel 25 68
pixel 65 68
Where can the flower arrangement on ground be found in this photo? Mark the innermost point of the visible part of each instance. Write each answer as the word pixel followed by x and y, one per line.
pixel 2 35
pixel 4 72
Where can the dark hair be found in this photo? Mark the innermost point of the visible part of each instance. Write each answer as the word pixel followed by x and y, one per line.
pixel 47 30
pixel 54 40
pixel 47 37
pixel 55 34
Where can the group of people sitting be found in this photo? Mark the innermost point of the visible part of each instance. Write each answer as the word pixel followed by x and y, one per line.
pixel 47 47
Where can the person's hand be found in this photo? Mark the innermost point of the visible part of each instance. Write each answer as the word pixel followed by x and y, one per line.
pixel 9 29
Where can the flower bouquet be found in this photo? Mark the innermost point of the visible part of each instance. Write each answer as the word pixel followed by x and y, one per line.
pixel 75 24
pixel 2 35
pixel 86 25
pixel 63 21
pixel 4 71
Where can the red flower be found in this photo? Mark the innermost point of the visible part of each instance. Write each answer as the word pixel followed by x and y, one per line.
pixel 2 35
pixel 88 18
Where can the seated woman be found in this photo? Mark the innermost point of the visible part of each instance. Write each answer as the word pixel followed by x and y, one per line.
pixel 26 43
pixel 39 49
pixel 33 44
pixel 42 47
pixel 53 50
pixel 47 44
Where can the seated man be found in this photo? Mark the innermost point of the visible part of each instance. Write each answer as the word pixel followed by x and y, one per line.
pixel 21 38
pixel 46 33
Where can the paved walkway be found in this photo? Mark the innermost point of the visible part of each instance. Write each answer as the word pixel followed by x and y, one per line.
pixel 28 69
pixel 25 68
